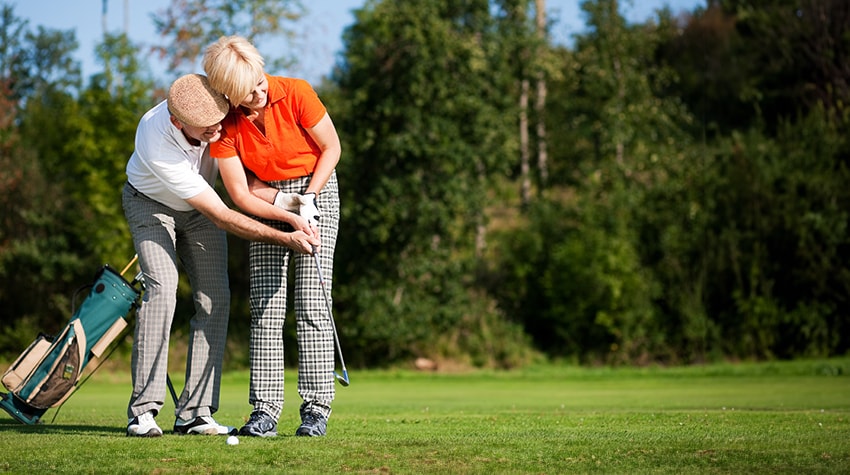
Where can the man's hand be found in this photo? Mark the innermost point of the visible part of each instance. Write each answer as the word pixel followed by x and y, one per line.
pixel 303 243
pixel 309 210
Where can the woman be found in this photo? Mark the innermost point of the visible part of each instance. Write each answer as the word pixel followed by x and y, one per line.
pixel 280 131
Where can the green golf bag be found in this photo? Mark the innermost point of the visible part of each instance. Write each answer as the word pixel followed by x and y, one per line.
pixel 48 371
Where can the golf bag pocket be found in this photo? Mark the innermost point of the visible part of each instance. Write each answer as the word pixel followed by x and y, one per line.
pixel 27 362
pixel 111 334
pixel 54 376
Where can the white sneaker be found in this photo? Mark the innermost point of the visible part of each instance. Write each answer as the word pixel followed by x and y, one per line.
pixel 204 425
pixel 143 425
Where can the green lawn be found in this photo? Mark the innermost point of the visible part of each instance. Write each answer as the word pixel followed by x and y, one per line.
pixel 789 417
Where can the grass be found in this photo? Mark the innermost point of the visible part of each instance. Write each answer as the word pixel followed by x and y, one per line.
pixel 790 417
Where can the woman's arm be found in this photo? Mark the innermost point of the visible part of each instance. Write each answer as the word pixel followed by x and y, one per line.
pixel 325 136
pixel 236 181
pixel 259 188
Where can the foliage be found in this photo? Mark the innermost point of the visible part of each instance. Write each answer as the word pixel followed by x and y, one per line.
pixel 781 214
pixel 585 288
pixel 190 25
pixel 63 175
pixel 424 90
pixel 575 280
pixel 696 208
pixel 37 256
pixel 749 62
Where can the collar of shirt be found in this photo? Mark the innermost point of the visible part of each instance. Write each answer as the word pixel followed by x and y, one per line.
pixel 182 141
pixel 276 91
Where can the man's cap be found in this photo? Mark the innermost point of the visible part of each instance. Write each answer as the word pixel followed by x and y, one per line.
pixel 194 102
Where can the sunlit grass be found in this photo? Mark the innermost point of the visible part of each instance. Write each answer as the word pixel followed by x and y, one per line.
pixel 749 418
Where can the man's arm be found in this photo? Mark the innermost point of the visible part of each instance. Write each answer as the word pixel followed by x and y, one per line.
pixel 210 205
pixel 233 175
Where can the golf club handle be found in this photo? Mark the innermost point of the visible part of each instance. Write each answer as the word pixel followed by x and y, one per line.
pixel 129 264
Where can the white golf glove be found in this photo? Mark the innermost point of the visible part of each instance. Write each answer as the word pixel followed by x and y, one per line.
pixel 309 210
pixel 288 201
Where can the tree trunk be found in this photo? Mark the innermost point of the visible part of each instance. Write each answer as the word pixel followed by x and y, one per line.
pixel 540 105
pixel 523 143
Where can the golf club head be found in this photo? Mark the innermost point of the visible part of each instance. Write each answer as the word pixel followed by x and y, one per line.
pixel 342 378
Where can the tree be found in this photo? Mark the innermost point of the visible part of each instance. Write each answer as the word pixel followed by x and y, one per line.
pixel 38 260
pixel 190 25
pixel 747 62
pixel 525 40
pixel 577 274
pixel 428 113
pixel 540 103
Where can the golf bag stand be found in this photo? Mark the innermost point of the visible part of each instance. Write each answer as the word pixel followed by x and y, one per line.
pixel 47 372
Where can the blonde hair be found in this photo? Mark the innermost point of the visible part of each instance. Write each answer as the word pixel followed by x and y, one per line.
pixel 233 66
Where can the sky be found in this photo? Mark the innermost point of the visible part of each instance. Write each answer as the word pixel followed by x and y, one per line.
pixel 321 30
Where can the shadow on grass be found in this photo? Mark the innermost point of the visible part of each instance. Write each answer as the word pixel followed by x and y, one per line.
pixel 9 426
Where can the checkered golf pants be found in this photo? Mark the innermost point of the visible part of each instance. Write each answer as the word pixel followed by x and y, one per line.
pixel 161 235
pixel 269 267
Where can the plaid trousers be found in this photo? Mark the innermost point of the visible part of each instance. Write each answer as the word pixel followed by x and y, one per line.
pixel 269 267
pixel 161 235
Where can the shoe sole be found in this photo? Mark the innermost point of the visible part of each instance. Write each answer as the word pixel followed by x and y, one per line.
pixel 202 429
pixel 210 431
pixel 150 433
pixel 264 434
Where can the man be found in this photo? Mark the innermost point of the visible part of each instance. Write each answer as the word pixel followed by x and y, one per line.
pixel 174 212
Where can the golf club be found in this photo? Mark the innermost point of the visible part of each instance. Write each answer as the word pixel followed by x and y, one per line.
pixel 171 389
pixel 343 378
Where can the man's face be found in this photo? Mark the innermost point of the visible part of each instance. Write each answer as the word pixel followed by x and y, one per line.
pixel 204 134
pixel 259 96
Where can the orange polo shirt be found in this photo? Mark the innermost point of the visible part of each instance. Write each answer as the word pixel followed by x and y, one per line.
pixel 286 151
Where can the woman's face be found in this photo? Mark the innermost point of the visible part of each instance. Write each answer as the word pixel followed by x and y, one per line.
pixel 259 96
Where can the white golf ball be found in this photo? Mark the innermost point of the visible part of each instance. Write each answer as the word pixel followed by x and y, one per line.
pixel 232 440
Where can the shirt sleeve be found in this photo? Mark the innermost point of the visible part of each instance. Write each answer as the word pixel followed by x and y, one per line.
pixel 309 106
pixel 225 147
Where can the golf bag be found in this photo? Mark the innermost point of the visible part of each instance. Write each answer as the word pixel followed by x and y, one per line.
pixel 48 371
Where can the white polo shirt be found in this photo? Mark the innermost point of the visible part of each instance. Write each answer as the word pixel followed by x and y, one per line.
pixel 165 166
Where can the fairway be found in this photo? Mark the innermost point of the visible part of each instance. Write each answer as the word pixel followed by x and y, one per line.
pixel 760 418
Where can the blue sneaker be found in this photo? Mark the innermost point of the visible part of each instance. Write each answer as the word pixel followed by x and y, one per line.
pixel 312 425
pixel 259 424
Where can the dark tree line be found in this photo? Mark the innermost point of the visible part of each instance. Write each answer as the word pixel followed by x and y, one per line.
pixel 688 201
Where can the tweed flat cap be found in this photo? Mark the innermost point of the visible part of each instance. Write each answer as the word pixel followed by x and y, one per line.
pixel 194 102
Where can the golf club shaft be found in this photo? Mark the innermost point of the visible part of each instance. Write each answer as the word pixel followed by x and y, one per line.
pixel 330 315
pixel 171 389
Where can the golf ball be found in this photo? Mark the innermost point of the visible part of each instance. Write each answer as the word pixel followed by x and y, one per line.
pixel 232 440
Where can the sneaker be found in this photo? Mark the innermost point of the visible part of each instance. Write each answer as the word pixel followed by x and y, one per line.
pixel 259 424
pixel 203 425
pixel 143 425
pixel 312 425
